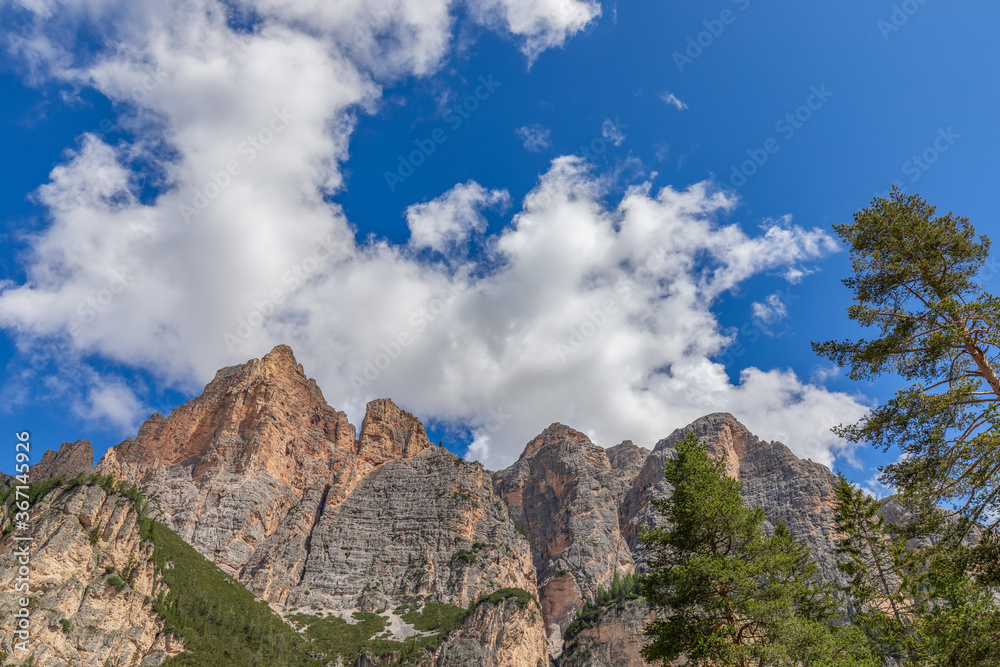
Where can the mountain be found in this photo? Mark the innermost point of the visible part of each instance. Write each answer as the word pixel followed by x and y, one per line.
pixel 72 459
pixel 370 545
pixel 92 578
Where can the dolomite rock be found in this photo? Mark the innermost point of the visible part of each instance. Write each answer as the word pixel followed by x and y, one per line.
pixel 796 491
pixel 72 459
pixel 562 492
pixel 428 525
pixel 583 509
pixel 224 469
pixel 265 479
pixel 498 634
pixel 68 576
pixel 614 641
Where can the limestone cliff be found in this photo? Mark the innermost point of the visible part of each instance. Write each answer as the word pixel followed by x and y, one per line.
pixel 796 491
pixel 72 459
pixel 425 526
pixel 91 582
pixel 265 479
pixel 499 633
pixel 614 641
pixel 563 493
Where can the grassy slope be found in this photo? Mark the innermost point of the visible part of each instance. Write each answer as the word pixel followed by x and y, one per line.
pixel 221 623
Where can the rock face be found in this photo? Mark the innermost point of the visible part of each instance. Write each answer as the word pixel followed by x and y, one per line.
pixel 226 467
pixel 615 641
pixel 261 476
pixel 72 459
pixel 563 492
pixel 583 509
pixel 507 633
pixel 80 617
pixel 429 525
pixel 265 479
pixel 796 491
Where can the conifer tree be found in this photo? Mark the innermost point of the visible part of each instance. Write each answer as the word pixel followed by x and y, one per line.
pixel 916 284
pixel 907 597
pixel 725 593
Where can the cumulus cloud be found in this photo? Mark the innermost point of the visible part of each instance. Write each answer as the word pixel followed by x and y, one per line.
pixel 535 137
pixel 448 220
pixel 673 100
pixel 114 405
pixel 539 24
pixel 771 311
pixel 586 309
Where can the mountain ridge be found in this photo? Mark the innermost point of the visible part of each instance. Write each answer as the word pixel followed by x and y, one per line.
pixel 278 489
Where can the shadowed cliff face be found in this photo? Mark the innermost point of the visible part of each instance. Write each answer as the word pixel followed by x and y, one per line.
pixel 584 507
pixel 563 492
pixel 793 490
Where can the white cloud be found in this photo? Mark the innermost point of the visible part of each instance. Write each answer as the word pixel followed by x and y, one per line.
pixel 535 137
pixel 448 220
pixel 594 314
pixel 113 405
pixel 875 488
pixel 771 311
pixel 540 24
pixel 611 132
pixel 673 100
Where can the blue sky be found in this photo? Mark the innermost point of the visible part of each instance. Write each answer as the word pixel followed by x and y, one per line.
pixel 875 86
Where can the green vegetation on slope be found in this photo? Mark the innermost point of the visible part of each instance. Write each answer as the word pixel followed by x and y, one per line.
pixel 623 589
pixel 221 623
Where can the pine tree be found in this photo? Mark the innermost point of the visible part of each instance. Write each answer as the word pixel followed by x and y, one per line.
pixel 725 593
pixel 915 283
pixel 880 568
pixel 911 602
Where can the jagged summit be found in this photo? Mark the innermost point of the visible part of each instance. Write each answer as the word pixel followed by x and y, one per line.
pixel 72 459
pixel 276 487
pixel 554 433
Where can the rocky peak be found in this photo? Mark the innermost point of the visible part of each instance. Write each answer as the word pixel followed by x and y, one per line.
pixel 559 493
pixel 626 455
pixel 627 460
pixel 72 459
pixel 795 491
pixel 725 437
pixel 389 433
pixel 556 433
pixel 261 415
